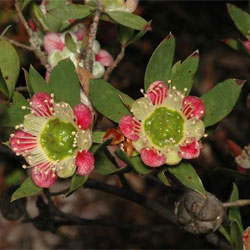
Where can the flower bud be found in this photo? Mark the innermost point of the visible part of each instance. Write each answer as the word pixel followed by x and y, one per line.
pixel 199 214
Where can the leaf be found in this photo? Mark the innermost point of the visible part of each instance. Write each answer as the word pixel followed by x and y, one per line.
pixel 129 20
pixel 64 83
pixel 52 4
pixel 9 65
pixel 97 148
pixel 162 177
pixel 127 101
pixel 134 162
pixel 36 82
pixel 187 175
pixel 76 182
pixel 14 115
pixel 124 34
pixel 97 136
pixel 220 100
pixel 224 232
pixel 25 3
pixel 241 19
pixel 106 100
pixel 183 76
pixel 160 63
pixel 70 42
pixel 234 173
pixel 28 188
pixel 3 86
pixel 72 11
pixel 54 23
pixel 237 45
pixel 236 235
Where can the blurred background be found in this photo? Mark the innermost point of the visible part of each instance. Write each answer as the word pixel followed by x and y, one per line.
pixel 196 25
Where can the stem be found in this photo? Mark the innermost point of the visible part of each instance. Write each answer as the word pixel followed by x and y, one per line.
pixel 115 63
pixel 92 34
pixel 238 203
pixel 34 45
pixel 21 45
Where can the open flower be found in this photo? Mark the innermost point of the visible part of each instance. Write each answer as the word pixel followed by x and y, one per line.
pixel 54 140
pixel 166 126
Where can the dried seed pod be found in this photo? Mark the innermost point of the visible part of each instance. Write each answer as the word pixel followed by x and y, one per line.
pixel 199 214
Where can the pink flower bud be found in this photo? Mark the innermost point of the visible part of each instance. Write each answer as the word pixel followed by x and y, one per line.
pixel 52 41
pixel 104 58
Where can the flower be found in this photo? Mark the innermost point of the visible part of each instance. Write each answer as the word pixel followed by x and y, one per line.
pixel 54 140
pixel 55 45
pixel 166 126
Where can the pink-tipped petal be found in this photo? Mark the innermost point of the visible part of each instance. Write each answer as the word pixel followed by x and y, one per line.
pixel 129 127
pixel 32 25
pixel 157 92
pixel 104 58
pixel 151 158
pixel 193 107
pixel 190 150
pixel 85 162
pixel 83 115
pixel 52 41
pixel 43 177
pixel 41 104
pixel 22 142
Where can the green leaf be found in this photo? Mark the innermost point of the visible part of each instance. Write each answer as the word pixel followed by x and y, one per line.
pixel 70 42
pixel 220 100
pixel 72 11
pixel 25 3
pixel 237 45
pixel 14 115
pixel 3 86
pixel 64 83
pixel 127 100
pixel 162 177
pixel 124 34
pixel 187 175
pixel 52 4
pixel 97 136
pixel 53 22
pixel 224 232
pixel 134 162
pixel 106 100
pixel 236 235
pixel 234 173
pixel 76 182
pixel 36 82
pixel 129 20
pixel 14 177
pixel 241 19
pixel 98 148
pixel 9 65
pixel 182 77
pixel 28 188
pixel 160 63
pixel 234 212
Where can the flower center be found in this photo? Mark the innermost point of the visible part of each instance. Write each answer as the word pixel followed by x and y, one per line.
pixel 57 139
pixel 164 127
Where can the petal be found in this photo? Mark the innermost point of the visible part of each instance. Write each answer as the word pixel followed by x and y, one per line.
pixel 42 177
pixel 104 58
pixel 98 70
pixel 52 41
pixel 194 128
pixel 64 112
pixel 190 149
pixel 142 108
pixel 85 162
pixel 83 115
pixel 34 124
pixel 193 107
pixel 84 139
pixel 157 92
pixel 129 127
pixel 151 158
pixel 172 157
pixel 47 76
pixel 41 104
pixel 116 135
pixel 66 168
pixel 22 142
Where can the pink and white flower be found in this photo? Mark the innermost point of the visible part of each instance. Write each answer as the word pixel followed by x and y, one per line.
pixel 166 126
pixel 54 140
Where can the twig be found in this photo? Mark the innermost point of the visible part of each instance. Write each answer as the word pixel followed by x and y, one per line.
pixel 92 34
pixel 36 48
pixel 238 203
pixel 21 45
pixel 115 63
pixel 21 89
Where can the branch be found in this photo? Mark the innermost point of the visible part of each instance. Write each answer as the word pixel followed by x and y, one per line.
pixel 92 34
pixel 238 203
pixel 21 45
pixel 115 63
pixel 34 45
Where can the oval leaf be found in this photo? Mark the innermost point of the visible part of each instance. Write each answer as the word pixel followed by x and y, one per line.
pixel 28 188
pixel 106 100
pixel 64 83
pixel 187 175
pixel 97 136
pixel 183 74
pixel 129 20
pixel 160 63
pixel 76 182
pixel 220 100
pixel 241 19
pixel 162 177
pixel 9 65
pixel 237 45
